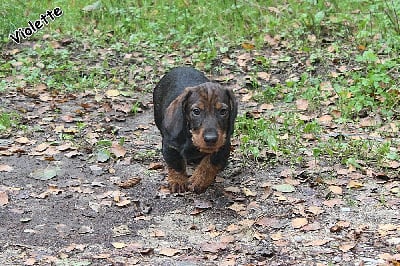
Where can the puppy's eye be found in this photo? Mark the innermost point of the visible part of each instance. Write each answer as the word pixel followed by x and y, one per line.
pixel 196 111
pixel 223 111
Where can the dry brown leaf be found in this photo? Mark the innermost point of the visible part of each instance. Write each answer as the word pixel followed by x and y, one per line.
pixel 157 233
pixel 346 247
pixel 316 210
pixel 317 242
pixel 232 228
pixel 354 184
pixel 237 207
pixel 302 104
pixel 131 182
pixel 5 168
pixel 169 252
pixel 276 236
pixel 214 247
pixel 263 75
pixel 117 150
pixel 3 198
pixel 336 190
pixel 22 140
pixel 41 147
pixel 266 106
pixel 368 122
pixel 232 189
pixel 267 222
pixel 339 226
pixel 30 261
pixel 123 203
pixel 332 202
pixel 325 119
pixel 155 166
pixel 299 222
pixel 312 226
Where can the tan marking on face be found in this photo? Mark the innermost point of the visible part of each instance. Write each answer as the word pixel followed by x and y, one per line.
pixel 198 141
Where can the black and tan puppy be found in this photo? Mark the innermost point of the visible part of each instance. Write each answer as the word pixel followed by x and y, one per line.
pixel 196 120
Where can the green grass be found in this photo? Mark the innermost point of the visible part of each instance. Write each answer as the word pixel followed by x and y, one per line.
pixel 8 120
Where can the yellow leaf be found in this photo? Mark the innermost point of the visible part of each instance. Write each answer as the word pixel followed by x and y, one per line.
pixel 113 93
pixel 248 192
pixel 118 245
pixel 354 184
pixel 248 46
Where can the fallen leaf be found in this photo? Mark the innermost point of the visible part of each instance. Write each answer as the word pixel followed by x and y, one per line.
pixel 332 202
pixel 302 104
pixel 214 247
pixel 123 203
pixel 237 207
pixel 46 173
pixel 157 233
pixel 276 236
pixel 312 226
pixel 325 119
pixel 232 189
pixel 285 188
pixel 336 190
pixel 118 245
pixel 155 166
pixel 117 150
pixel 248 46
pixel 346 247
pixel 316 210
pixel 30 261
pixel 354 184
pixel 169 252
pixel 317 242
pixel 41 147
pixel 299 222
pixel 3 198
pixel 248 192
pixel 129 183
pixel 22 140
pixel 267 222
pixel 5 168
pixel 112 93
pixel 202 204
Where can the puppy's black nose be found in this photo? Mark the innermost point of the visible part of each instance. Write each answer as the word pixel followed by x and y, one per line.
pixel 210 136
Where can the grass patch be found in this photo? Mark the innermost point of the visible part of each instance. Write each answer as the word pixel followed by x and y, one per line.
pixel 8 120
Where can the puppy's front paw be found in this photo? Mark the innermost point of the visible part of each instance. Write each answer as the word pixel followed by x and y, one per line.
pixel 178 181
pixel 197 185
pixel 178 186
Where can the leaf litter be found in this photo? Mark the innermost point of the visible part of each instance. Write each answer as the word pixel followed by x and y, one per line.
pixel 114 201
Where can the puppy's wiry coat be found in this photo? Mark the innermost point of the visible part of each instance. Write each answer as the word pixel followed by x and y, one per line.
pixel 196 120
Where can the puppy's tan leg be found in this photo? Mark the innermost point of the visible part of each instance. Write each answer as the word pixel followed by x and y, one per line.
pixel 178 181
pixel 203 175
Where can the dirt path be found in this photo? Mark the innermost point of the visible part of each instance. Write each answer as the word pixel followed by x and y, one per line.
pixel 63 203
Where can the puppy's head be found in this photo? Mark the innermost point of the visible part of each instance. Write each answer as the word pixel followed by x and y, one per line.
pixel 208 112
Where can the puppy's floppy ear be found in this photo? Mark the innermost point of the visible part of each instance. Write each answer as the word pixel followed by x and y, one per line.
pixel 175 119
pixel 233 105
